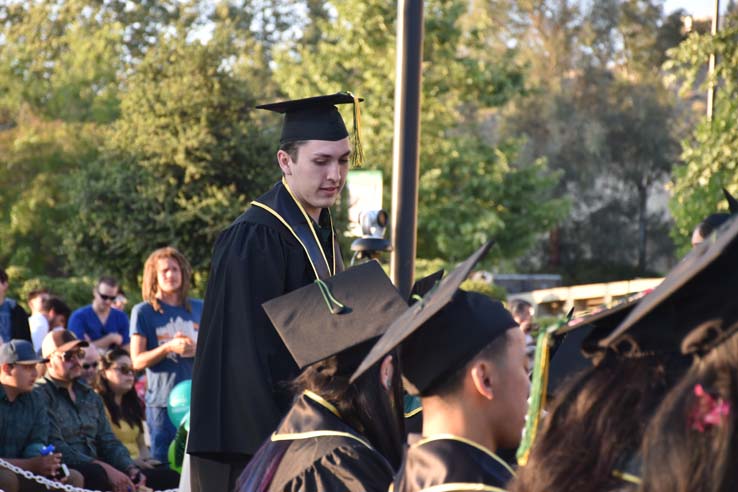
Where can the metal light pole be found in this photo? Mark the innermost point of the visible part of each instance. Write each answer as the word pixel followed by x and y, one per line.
pixel 406 139
pixel 711 70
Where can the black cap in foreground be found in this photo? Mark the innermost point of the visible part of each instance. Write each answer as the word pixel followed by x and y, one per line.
pixel 701 288
pixel 329 316
pixel 442 331
pixel 423 286
pixel 579 347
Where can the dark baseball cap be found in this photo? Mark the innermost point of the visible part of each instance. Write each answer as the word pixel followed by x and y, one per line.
pixel 19 352
pixel 60 341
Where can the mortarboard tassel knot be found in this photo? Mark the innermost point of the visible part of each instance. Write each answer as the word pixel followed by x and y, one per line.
pixel 334 305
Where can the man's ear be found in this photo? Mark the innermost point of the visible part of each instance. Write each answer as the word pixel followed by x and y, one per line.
pixel 284 160
pixel 482 377
pixel 6 369
pixel 386 371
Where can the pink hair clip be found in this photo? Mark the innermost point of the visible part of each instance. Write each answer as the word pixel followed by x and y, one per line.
pixel 707 411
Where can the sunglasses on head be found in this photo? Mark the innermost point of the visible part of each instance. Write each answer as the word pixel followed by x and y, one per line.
pixel 89 365
pixel 71 354
pixel 125 370
pixel 106 298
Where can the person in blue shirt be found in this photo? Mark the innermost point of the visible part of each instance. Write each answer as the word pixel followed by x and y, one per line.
pixel 164 331
pixel 98 323
pixel 13 318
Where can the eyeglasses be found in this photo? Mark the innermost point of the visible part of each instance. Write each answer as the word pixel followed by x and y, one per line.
pixel 106 298
pixel 71 354
pixel 87 366
pixel 125 370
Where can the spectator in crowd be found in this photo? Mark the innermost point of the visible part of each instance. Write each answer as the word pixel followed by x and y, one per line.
pixel 24 424
pixel 522 312
pixel 120 301
pixel 99 324
pixel 90 365
pixel 55 314
pixel 78 426
pixel 37 321
pixel 114 383
pixel 13 318
pixel 164 331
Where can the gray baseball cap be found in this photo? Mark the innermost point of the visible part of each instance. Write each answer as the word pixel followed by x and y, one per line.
pixel 19 352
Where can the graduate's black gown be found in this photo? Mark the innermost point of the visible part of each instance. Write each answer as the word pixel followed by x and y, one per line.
pixel 448 463
pixel 241 364
pixel 322 454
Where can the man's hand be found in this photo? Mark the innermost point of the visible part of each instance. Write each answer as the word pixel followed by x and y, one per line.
pixel 136 476
pixel 119 480
pixel 45 465
pixel 182 345
pixel 109 339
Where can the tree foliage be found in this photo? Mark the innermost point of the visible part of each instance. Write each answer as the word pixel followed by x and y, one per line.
pixel 709 158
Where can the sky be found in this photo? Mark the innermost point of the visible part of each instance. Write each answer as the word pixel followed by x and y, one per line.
pixel 698 8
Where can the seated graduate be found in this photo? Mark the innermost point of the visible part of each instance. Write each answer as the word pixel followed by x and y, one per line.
pixel 691 443
pixel 337 435
pixel 463 353
pixel 591 438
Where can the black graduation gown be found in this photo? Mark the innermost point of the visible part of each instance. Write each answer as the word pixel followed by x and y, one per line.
pixel 450 463
pixel 323 454
pixel 241 364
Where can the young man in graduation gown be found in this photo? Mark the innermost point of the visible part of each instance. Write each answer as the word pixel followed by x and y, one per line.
pixel 284 241
pixel 337 435
pixel 463 353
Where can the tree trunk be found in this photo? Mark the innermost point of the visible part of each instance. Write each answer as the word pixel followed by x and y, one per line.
pixel 642 221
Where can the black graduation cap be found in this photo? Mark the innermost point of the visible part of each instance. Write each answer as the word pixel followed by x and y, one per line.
pixel 424 285
pixel 443 331
pixel 702 287
pixel 579 344
pixel 317 118
pixel 332 315
pixel 732 202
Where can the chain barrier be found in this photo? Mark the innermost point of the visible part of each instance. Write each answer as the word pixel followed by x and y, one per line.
pixel 52 484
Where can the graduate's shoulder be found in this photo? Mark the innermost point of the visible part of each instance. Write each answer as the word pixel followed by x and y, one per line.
pixel 257 225
pixel 334 462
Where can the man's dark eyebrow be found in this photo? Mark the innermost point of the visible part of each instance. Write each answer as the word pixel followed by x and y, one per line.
pixel 331 155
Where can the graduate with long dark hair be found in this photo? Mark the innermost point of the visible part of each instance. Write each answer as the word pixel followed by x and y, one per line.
pixel 591 438
pixel 337 435
pixel 691 445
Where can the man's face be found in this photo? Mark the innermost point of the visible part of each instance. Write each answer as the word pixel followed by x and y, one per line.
pixel 512 389
pixel 90 364
pixel 319 174
pixel 22 376
pixel 168 275
pixel 35 304
pixel 66 366
pixel 104 295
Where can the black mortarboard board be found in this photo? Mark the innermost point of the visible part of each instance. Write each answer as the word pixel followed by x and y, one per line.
pixel 324 319
pixel 423 286
pixel 732 202
pixel 702 287
pixel 443 331
pixel 317 118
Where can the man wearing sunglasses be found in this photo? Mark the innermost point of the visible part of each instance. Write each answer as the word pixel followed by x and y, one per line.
pixel 98 322
pixel 90 364
pixel 78 426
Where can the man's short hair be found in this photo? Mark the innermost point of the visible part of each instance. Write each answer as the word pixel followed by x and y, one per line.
pixel 57 305
pixel 495 351
pixel 520 307
pixel 107 280
pixel 36 293
pixel 3 276
pixel 292 148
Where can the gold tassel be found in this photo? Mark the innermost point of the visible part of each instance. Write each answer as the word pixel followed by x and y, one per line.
pixel 357 156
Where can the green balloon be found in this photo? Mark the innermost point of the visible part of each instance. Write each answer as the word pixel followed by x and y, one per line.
pixel 178 403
